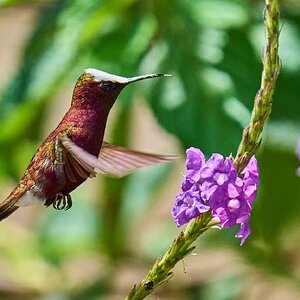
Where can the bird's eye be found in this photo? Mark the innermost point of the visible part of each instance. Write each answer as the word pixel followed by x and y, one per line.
pixel 108 85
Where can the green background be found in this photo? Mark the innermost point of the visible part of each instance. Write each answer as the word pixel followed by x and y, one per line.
pixel 117 228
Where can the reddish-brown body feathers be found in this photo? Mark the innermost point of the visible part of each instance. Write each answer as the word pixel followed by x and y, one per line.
pixel 69 155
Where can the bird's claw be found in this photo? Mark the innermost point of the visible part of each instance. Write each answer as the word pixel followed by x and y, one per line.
pixel 62 201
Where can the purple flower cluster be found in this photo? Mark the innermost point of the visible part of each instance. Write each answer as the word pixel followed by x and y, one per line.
pixel 215 185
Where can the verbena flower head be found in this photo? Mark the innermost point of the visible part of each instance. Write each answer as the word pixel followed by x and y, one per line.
pixel 189 204
pixel 215 185
pixel 194 162
pixel 251 179
pixel 218 175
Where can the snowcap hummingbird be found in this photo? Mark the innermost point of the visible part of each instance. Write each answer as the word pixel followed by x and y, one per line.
pixel 75 150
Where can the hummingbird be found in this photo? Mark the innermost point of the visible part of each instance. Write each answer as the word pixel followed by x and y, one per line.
pixel 75 150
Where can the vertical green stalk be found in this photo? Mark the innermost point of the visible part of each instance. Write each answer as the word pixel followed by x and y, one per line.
pixel 263 100
pixel 162 269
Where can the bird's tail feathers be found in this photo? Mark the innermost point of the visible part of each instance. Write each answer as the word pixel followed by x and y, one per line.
pixel 7 207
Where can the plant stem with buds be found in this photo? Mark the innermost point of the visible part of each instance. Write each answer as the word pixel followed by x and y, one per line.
pixel 263 100
pixel 162 269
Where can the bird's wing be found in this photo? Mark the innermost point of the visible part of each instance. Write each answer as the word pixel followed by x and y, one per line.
pixel 65 165
pixel 122 161
pixel 113 160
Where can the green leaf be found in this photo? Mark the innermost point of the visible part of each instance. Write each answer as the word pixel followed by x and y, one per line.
pixel 286 98
pixel 4 3
pixel 219 13
pixel 240 62
pixel 279 197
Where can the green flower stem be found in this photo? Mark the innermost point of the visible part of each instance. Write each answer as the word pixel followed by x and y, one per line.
pixel 161 270
pixel 181 247
pixel 263 100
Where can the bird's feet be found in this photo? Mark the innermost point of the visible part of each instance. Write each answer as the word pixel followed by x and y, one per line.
pixel 62 201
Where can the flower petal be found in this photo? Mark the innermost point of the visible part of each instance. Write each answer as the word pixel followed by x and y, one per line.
pixel 243 233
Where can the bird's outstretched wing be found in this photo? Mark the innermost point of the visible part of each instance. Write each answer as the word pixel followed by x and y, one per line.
pixel 113 160
pixel 122 161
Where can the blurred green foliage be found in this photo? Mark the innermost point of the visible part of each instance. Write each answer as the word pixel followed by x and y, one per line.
pixel 213 50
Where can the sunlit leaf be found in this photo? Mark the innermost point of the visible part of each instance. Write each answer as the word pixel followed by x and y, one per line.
pixel 219 13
